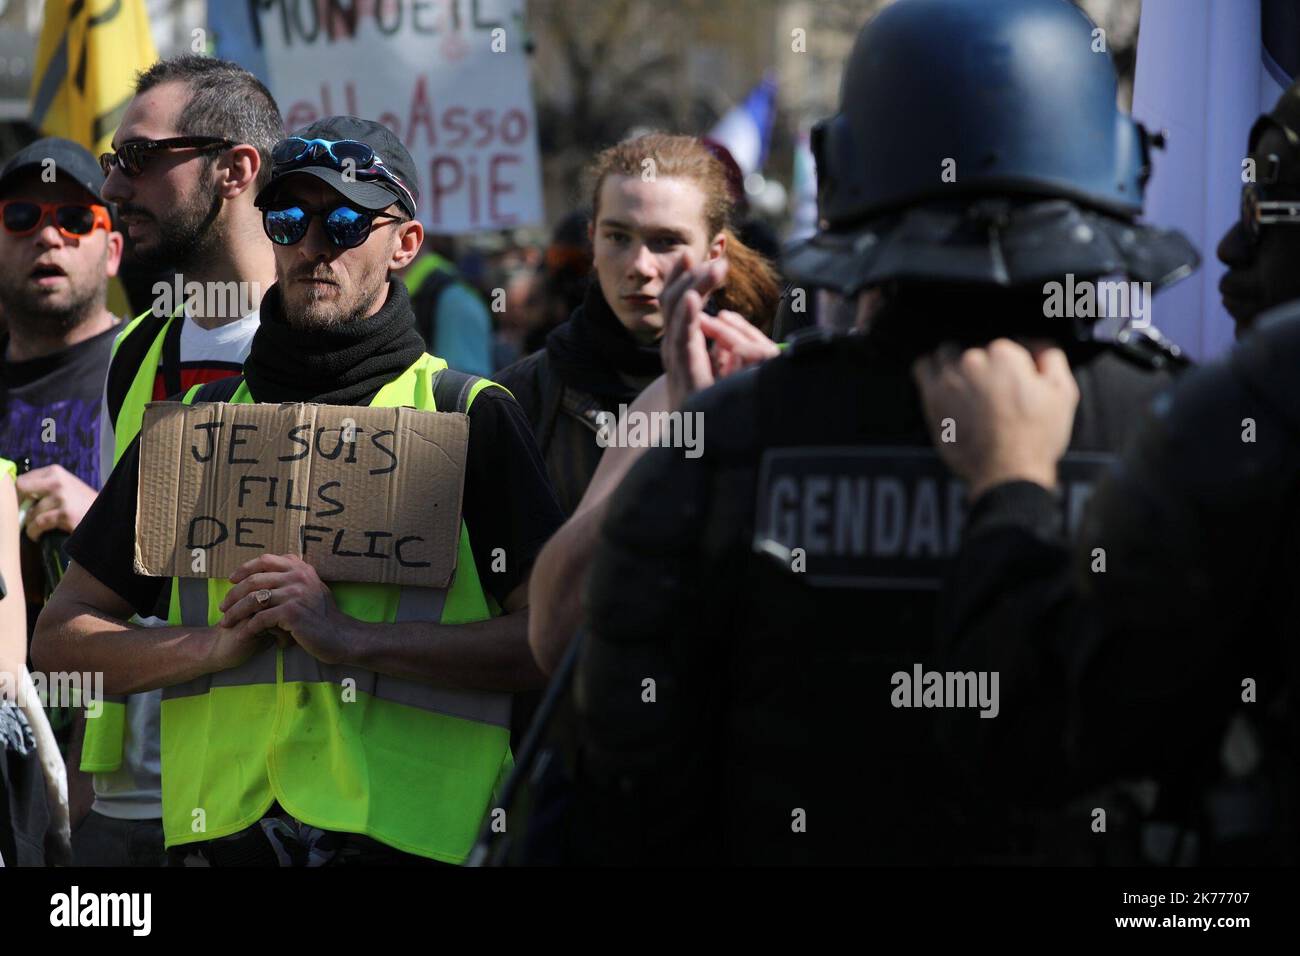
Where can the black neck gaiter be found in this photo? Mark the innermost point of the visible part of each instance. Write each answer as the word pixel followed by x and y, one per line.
pixel 340 365
pixel 595 352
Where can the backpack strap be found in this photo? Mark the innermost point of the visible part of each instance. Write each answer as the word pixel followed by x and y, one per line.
pixel 451 389
pixel 454 391
pixel 222 390
pixel 552 389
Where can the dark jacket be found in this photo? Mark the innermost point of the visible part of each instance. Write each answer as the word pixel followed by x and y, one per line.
pixel 772 671
pixel 591 364
pixel 1142 667
pixel 564 424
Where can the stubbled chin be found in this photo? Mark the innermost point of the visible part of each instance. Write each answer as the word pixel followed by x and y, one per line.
pixel 313 318
pixel 309 309
pixel 313 296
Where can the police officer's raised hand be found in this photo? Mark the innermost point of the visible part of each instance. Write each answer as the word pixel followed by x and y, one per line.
pixel 689 366
pixel 282 593
pixel 999 413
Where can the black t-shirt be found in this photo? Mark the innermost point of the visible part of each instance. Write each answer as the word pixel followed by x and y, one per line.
pixel 49 414
pixel 65 388
pixel 508 504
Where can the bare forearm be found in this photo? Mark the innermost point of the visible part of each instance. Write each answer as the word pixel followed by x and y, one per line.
pixel 13 608
pixel 13 636
pixel 555 593
pixel 11 667
pixel 490 655
pixel 131 658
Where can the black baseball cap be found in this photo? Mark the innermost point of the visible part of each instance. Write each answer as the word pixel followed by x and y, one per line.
pixel 372 193
pixel 71 160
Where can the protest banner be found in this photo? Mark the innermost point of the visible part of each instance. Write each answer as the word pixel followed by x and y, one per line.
pixel 362 494
pixel 449 77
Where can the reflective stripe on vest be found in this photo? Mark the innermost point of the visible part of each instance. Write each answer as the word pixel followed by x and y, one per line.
pixel 340 747
pixel 105 736
pixel 413 604
pixel 101 747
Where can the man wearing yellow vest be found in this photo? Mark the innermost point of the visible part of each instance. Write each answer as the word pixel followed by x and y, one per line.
pixel 263 760
pixel 193 149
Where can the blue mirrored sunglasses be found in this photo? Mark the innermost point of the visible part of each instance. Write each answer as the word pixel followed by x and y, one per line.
pixel 345 226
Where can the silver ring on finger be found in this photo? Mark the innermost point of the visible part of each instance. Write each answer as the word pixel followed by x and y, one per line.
pixel 263 597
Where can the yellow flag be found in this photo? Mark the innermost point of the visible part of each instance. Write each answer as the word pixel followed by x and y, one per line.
pixel 86 62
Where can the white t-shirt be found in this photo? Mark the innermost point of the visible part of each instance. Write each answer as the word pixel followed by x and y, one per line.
pixel 134 790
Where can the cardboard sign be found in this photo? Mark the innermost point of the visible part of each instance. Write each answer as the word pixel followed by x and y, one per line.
pixel 363 494
pixel 450 78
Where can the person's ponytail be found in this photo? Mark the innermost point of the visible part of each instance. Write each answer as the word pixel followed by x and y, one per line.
pixel 751 287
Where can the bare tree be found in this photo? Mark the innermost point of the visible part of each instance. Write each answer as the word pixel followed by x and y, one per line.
pixel 602 68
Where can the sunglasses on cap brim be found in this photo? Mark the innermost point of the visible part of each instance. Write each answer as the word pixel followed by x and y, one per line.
pixel 349 156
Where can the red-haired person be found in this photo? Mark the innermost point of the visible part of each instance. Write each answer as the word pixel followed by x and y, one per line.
pixel 655 199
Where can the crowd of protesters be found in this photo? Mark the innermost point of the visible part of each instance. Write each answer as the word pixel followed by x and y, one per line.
pixel 771 651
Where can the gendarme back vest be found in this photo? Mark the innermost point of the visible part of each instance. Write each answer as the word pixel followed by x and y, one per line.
pixel 133 367
pixel 409 764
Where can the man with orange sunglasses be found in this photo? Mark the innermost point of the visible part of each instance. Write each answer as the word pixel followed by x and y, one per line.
pixel 58 249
